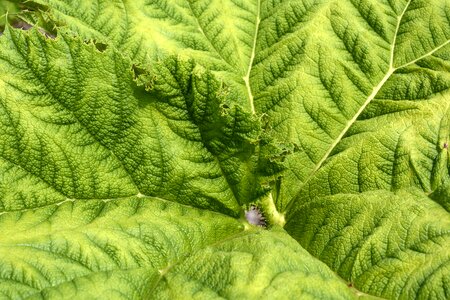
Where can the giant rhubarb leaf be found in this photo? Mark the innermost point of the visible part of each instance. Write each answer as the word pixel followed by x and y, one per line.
pixel 132 144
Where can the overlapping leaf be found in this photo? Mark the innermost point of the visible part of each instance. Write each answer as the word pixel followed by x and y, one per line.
pixel 70 135
pixel 7 8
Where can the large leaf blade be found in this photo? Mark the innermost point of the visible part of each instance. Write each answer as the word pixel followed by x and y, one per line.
pixel 357 90
pixel 313 84
pixel 392 245
pixel 73 243
pixel 96 134
pixel 83 228
pixel 264 264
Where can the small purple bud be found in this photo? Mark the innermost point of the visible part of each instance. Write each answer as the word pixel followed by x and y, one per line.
pixel 255 217
pixel 446 145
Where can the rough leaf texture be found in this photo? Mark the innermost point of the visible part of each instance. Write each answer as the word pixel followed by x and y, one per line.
pixel 385 243
pixel 132 144
pixel 83 147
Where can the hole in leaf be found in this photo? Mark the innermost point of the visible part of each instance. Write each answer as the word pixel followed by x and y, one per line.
pixel 100 46
pixel 138 71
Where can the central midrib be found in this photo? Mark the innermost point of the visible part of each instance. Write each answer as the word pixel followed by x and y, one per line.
pixel 246 78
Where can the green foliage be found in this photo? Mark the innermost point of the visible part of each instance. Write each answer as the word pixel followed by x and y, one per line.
pixel 8 10
pixel 132 143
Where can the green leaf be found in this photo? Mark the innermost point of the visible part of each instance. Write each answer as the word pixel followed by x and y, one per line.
pixel 8 10
pixel 97 140
pixel 137 247
pixel 78 244
pixel 393 245
pixel 78 155
pixel 328 115
pixel 209 32
pixel 314 67
pixel 442 195
pixel 257 265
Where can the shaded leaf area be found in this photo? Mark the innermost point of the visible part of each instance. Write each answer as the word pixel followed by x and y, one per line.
pixel 442 195
pixel 194 101
pixel 8 10
pixel 16 13
pixel 392 245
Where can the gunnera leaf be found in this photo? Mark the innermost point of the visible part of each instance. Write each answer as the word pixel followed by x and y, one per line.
pixel 156 124
pixel 100 178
